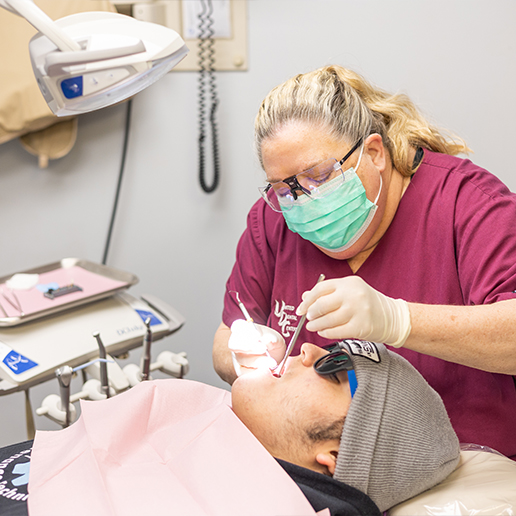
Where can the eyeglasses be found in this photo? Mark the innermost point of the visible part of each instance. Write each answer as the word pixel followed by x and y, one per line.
pixel 335 361
pixel 280 196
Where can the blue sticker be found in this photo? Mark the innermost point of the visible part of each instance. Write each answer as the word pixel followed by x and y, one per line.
pixel 45 288
pixel 144 314
pixel 353 384
pixel 18 363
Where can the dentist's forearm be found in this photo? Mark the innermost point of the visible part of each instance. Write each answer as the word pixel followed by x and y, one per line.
pixel 222 361
pixel 483 337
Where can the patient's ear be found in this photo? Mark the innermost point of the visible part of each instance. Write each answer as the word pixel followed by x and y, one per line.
pixel 327 457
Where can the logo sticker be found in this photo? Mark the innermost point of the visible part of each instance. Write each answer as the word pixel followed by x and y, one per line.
pixel 364 349
pixel 144 314
pixel 15 362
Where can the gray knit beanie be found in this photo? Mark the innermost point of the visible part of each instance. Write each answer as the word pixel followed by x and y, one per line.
pixel 397 439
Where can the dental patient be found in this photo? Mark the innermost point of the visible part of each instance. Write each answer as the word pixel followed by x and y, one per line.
pixel 356 428
pixel 360 414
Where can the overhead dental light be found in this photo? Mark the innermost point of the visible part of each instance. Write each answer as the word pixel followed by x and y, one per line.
pixel 92 60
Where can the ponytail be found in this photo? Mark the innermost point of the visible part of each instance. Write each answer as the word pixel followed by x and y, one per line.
pixel 351 108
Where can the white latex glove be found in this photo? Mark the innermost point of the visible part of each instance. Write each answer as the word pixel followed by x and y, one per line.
pixel 254 345
pixel 348 308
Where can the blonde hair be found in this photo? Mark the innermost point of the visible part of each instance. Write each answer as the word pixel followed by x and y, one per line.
pixel 351 108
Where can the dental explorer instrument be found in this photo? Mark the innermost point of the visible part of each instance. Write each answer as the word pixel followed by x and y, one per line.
pixel 278 370
pixel 247 316
pixel 146 359
pixel 64 377
pixel 104 382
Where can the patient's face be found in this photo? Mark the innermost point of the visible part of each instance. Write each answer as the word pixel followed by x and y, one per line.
pixel 279 409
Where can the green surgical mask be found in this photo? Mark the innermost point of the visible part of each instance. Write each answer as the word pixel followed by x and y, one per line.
pixel 336 221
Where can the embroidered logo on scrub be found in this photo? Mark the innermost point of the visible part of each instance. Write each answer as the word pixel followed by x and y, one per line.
pixel 14 476
pixel 15 361
pixel 364 349
pixel 284 319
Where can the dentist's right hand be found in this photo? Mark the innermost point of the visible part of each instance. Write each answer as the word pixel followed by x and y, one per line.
pixel 348 308
pixel 254 346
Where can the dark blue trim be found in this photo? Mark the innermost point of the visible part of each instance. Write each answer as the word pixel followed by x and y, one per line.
pixel 353 384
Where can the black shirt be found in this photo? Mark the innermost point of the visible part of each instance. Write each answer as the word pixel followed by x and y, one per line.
pixel 324 492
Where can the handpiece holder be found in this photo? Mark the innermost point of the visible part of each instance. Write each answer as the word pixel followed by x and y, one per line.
pixel 61 409
pixel 173 364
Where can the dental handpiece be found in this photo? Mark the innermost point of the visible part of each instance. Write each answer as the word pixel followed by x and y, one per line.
pixel 278 371
pixel 64 377
pixel 104 382
pixel 146 360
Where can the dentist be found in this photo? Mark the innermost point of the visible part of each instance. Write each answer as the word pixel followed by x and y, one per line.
pixel 417 246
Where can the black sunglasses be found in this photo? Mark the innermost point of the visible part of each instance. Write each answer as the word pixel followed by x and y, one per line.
pixel 336 360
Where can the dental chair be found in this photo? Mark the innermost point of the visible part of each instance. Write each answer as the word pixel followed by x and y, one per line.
pixel 483 483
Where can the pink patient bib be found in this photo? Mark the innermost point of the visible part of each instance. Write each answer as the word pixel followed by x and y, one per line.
pixel 165 447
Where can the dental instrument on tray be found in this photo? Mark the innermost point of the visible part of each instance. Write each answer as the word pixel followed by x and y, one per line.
pixel 31 303
pixel 16 304
pixel 104 382
pixel 146 358
pixel 278 371
pixel 3 311
pixel 61 291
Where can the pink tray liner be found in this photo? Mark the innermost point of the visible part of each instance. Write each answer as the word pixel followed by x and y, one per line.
pixel 33 300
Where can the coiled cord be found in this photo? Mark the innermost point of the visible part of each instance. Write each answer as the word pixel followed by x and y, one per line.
pixel 206 71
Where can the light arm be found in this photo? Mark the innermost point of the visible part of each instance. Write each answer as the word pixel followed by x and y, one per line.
pixel 37 18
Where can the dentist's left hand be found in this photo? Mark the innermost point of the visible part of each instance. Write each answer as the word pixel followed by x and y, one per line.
pixel 348 308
